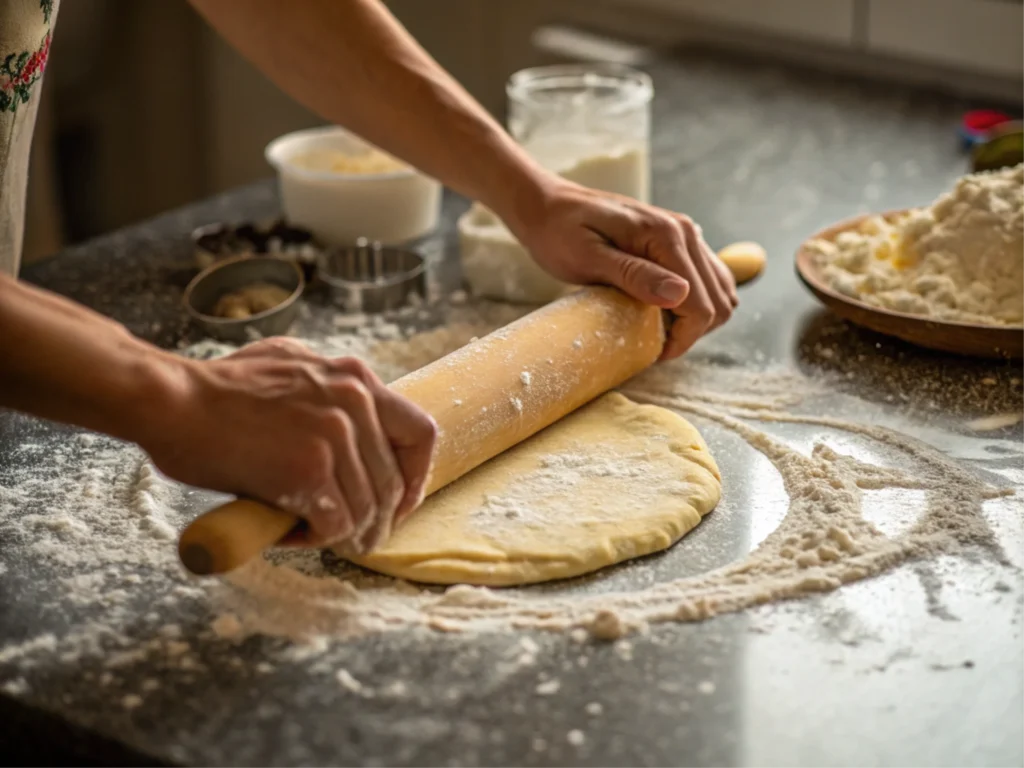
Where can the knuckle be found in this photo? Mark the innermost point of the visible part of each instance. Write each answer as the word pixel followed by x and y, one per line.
pixel 280 344
pixel 309 374
pixel 703 313
pixel 352 392
pixel 339 424
pixel 427 430
pixel 630 270
pixel 354 367
pixel 652 227
pixel 664 225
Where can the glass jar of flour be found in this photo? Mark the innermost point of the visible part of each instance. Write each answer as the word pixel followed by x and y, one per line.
pixel 587 122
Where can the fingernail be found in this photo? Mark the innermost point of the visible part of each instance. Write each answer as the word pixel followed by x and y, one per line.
pixel 671 290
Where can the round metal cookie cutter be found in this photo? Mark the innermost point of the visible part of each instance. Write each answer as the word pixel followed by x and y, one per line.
pixel 371 277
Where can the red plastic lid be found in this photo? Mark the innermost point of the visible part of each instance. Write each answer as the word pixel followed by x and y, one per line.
pixel 981 120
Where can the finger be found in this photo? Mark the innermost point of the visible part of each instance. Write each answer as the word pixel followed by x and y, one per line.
pixel 351 475
pixel 639 277
pixel 724 276
pixel 411 433
pixel 377 455
pixel 709 277
pixel 695 316
pixel 639 251
pixel 726 279
pixel 328 508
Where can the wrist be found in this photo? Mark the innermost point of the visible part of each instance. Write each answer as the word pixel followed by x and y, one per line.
pixel 154 397
pixel 518 191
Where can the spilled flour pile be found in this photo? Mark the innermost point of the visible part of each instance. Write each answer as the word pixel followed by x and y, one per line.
pixel 960 259
pixel 95 512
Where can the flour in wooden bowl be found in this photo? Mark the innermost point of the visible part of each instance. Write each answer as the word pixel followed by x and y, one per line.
pixel 960 259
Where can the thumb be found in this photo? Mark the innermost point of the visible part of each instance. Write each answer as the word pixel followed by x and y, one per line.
pixel 642 279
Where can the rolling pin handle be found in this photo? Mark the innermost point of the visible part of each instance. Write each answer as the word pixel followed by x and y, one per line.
pixel 231 535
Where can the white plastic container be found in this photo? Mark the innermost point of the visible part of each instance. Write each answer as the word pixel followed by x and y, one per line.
pixel 392 202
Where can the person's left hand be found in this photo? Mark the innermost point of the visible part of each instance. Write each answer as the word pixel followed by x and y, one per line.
pixel 583 237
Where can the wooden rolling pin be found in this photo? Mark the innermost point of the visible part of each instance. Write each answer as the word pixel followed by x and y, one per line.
pixel 485 397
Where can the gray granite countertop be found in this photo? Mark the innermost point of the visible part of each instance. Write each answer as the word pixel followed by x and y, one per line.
pixel 921 666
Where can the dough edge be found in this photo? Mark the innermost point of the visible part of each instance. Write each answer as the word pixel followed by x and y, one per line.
pixel 459 568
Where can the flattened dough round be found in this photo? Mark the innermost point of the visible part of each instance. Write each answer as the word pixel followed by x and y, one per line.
pixel 612 481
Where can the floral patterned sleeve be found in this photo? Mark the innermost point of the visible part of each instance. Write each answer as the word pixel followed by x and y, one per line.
pixel 26 27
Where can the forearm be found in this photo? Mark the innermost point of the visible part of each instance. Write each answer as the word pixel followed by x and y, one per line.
pixel 66 363
pixel 354 64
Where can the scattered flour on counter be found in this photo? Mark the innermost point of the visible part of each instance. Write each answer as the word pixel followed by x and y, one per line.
pixel 548 688
pixel 960 259
pixel 96 513
pixel 17 686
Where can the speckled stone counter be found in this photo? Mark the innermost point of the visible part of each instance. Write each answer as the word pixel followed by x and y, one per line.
pixel 922 665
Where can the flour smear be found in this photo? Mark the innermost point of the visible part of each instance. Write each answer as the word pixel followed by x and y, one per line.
pixel 96 514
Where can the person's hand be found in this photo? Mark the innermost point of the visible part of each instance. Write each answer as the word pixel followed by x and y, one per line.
pixel 583 237
pixel 321 438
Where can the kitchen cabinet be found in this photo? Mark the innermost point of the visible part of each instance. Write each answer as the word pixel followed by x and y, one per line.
pixel 975 35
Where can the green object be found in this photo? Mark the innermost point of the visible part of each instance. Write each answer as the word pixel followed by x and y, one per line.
pixel 1004 148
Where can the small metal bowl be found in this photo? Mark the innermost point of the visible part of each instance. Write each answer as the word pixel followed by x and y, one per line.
pixel 208 286
pixel 371 277
pixel 217 242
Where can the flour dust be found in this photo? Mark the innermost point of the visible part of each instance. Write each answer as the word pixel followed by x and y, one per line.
pixel 94 512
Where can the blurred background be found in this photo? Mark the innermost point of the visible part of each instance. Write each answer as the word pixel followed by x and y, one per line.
pixel 145 109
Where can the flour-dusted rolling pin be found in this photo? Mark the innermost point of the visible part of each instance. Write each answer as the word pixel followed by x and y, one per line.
pixel 485 397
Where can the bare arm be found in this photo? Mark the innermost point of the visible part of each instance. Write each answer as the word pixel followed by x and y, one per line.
pixel 353 63
pixel 322 438
pixel 66 363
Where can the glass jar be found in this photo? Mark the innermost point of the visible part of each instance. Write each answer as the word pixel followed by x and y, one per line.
pixel 587 122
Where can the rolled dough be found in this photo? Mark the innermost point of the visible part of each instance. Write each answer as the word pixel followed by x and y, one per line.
pixel 612 481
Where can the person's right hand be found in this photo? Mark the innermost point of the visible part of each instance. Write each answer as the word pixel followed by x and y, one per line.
pixel 322 438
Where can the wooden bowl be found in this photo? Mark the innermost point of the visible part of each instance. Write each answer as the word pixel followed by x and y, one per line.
pixel 990 341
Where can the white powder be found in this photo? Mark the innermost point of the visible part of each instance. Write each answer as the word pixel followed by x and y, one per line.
pixel 96 514
pixel 959 260
pixel 547 493
pixel 575 737
pixel 15 687
pixel 348 682
pixel 548 688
